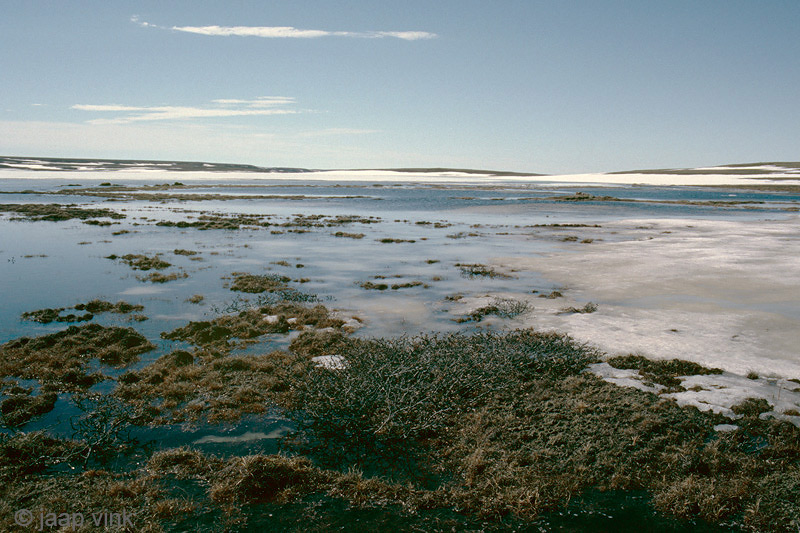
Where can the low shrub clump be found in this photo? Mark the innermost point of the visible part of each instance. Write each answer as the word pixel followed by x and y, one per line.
pixel 393 392
pixel 508 425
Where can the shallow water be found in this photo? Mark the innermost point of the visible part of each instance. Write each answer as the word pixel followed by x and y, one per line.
pixel 60 264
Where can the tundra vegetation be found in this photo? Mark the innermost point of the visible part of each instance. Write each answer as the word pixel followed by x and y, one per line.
pixel 90 309
pixel 437 431
pixel 57 212
pixel 462 431
pixel 501 307
pixel 473 270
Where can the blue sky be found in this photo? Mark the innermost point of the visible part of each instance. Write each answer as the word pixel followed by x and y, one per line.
pixel 542 86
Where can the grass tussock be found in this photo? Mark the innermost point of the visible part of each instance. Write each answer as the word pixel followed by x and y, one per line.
pixel 590 307
pixel 389 240
pixel 18 409
pixel 552 295
pixel 91 308
pixel 473 270
pixel 664 372
pixel 158 277
pixel 255 283
pixel 510 426
pixel 348 235
pixel 186 387
pixel 320 342
pixel 252 323
pixel 33 465
pixel 501 307
pixel 209 383
pixel 57 212
pixel 259 479
pixel 752 407
pixel 60 360
pixel 142 262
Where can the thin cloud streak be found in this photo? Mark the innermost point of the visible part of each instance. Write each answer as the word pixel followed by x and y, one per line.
pixel 267 105
pixel 277 32
pixel 286 32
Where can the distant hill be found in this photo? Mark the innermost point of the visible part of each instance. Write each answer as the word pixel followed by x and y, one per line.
pixel 749 169
pixel 440 170
pixel 788 170
pixel 89 165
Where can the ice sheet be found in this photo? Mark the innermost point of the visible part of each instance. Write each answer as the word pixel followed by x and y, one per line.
pixel 723 294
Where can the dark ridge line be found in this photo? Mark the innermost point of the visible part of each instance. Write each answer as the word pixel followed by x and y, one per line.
pixel 68 164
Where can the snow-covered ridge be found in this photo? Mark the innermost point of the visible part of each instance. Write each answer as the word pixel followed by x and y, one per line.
pixel 728 175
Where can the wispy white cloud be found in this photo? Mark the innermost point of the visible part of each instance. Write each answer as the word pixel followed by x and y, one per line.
pixel 336 131
pixel 266 105
pixel 284 32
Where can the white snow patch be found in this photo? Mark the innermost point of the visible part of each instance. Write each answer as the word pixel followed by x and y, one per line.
pixel 623 377
pixel 720 392
pixel 143 173
pixel 333 362
pixel 715 392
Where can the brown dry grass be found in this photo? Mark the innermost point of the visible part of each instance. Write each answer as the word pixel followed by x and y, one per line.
pixel 59 360
pixel 208 385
